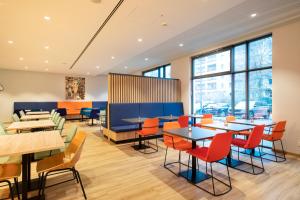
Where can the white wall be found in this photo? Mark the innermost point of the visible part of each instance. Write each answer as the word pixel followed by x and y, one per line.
pixel 35 86
pixel 286 77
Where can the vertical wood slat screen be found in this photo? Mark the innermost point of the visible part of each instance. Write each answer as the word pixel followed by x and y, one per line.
pixel 138 89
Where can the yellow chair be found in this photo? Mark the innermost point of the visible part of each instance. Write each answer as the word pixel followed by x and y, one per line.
pixel 62 162
pixel 10 171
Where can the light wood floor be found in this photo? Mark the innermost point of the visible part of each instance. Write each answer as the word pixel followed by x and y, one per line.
pixel 112 172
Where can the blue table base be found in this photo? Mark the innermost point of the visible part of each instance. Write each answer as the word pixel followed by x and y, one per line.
pixel 231 163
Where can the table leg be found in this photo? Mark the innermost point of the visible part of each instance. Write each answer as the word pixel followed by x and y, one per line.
pixel 194 160
pixel 25 175
pixel 140 145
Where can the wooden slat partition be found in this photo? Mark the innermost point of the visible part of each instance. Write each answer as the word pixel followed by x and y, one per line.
pixel 125 88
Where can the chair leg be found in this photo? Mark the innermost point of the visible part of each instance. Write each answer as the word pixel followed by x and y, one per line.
pixel 166 156
pixel 275 151
pixel 252 163
pixel 229 179
pixel 75 175
pixel 156 145
pixel 179 159
pixel 17 187
pixel 283 152
pixel 260 155
pixel 44 184
pixel 206 167
pixel 11 192
pixel 78 175
pixel 212 179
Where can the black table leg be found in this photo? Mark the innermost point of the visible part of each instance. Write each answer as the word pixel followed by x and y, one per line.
pixel 140 145
pixel 25 175
pixel 194 160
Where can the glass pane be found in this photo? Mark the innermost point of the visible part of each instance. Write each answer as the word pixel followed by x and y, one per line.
pixel 214 63
pixel 161 72
pixel 240 95
pixel 240 57
pixel 168 71
pixel 212 95
pixel 153 73
pixel 260 94
pixel 260 53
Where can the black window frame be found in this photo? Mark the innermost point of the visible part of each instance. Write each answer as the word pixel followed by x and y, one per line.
pixel 231 71
pixel 159 69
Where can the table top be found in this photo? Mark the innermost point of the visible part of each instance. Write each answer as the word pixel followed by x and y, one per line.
pixel 37 112
pixel 26 143
pixel 254 122
pixel 31 124
pixel 194 134
pixel 35 117
pixel 195 116
pixel 135 120
pixel 228 127
pixel 168 117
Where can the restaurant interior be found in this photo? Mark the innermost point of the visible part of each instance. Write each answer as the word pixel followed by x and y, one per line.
pixel 150 99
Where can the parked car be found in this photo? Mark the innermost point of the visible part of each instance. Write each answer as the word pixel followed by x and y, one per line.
pixel 257 109
pixel 217 109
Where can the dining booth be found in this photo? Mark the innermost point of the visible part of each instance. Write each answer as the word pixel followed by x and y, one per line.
pixel 131 96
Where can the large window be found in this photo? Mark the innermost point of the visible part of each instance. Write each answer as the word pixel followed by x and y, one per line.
pixel 159 72
pixel 234 80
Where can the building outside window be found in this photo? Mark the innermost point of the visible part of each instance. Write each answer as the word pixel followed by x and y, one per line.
pixel 163 71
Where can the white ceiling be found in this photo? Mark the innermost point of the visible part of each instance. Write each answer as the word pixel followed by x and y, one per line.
pixel 196 23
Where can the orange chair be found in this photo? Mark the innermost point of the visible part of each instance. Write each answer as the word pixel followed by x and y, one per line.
pixel 207 116
pixel 276 135
pixel 174 142
pixel 183 121
pixel 150 128
pixel 230 118
pixel 205 121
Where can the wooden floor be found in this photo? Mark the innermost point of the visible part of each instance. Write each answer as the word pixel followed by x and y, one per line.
pixel 118 172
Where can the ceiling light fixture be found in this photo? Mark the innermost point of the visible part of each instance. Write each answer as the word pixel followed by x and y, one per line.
pixel 181 45
pixel 97 66
pixel 21 58
pixel 112 57
pixel 10 42
pixel 46 61
pixel 253 15
pixel 26 67
pixel 125 67
pixel 146 59
pixel 47 18
pixel 46 69
pixel 46 47
pixel 88 73
pixel 140 39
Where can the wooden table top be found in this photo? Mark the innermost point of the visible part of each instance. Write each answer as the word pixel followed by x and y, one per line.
pixel 254 122
pixel 31 124
pixel 35 117
pixel 228 127
pixel 19 144
pixel 195 133
pixel 37 112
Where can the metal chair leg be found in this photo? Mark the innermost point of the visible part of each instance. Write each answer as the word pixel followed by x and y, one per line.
pixel 212 178
pixel 166 156
pixel 17 187
pixel 275 151
pixel 78 175
pixel 252 162
pixel 75 175
pixel 179 161
pixel 282 150
pixel 229 179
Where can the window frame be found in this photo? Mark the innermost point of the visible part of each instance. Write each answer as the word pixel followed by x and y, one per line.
pixel 231 71
pixel 163 67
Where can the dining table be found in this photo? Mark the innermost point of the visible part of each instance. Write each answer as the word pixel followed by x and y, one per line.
pixel 168 118
pixel 37 112
pixel 35 117
pixel 194 117
pixel 229 127
pixel 194 134
pixel 140 122
pixel 26 125
pixel 267 123
pixel 26 145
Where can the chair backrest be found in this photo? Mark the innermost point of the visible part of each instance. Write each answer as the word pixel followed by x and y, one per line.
pixel 219 147
pixel 2 129
pixel 278 130
pixel 73 151
pixel 206 121
pixel 171 138
pixel 52 112
pixel 151 125
pixel 57 120
pixel 22 113
pixel 16 117
pixel 255 137
pixel 230 118
pixel 71 134
pixel 207 116
pixel 61 124
pixel 183 121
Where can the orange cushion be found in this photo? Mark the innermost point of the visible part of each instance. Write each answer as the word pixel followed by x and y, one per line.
pixel 267 137
pixel 239 142
pixel 200 153
pixel 73 108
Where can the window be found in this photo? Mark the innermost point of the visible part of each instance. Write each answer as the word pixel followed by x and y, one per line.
pixel 159 72
pixel 234 80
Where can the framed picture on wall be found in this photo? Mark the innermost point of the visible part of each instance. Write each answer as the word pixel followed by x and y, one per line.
pixel 75 88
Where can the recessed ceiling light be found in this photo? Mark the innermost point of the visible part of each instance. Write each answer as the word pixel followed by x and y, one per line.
pixel 46 47
pixel 26 67
pixel 253 15
pixel 10 42
pixel 46 61
pixel 21 58
pixel 146 59
pixel 181 45
pixel 88 73
pixel 125 67
pixel 97 66
pixel 47 18
pixel 140 39
pixel 46 69
pixel 164 24
pixel 112 57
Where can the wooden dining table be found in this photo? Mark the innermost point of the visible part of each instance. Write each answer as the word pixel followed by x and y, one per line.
pixel 25 145
pixel 35 117
pixel 25 125
pixel 194 134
